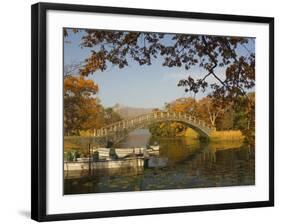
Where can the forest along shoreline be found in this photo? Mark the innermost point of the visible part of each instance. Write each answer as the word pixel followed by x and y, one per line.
pixel 81 152
pixel 77 156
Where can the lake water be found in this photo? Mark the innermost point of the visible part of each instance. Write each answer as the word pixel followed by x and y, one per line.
pixel 189 164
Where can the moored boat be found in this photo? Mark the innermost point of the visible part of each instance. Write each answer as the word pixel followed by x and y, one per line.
pixel 103 164
pixel 154 147
pixel 105 153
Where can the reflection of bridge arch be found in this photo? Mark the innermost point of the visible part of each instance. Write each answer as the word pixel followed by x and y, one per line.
pixel 117 131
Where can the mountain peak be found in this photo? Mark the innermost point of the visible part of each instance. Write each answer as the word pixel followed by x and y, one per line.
pixel 128 112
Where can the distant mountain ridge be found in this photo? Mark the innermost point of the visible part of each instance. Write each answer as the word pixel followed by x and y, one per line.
pixel 129 112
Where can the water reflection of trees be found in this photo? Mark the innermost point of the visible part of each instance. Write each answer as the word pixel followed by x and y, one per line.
pixel 178 149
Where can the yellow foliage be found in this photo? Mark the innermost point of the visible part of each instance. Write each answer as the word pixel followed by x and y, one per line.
pixel 75 144
pixel 87 133
pixel 226 136
pixel 68 146
pixel 190 133
pixel 78 85
pixel 184 105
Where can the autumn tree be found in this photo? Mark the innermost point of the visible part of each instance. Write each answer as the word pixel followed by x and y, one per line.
pixel 81 109
pixel 228 63
pixel 210 109
pixel 111 116
pixel 244 116
pixel 229 73
pixel 183 105
pixel 225 121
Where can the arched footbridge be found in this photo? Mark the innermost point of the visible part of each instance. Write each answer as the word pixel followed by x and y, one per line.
pixel 118 131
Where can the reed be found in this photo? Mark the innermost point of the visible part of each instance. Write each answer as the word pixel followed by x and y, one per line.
pixel 86 133
pixel 231 135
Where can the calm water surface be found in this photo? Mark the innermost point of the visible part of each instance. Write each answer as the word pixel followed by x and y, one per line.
pixel 190 165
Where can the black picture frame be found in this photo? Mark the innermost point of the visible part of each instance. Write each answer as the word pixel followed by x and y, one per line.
pixel 39 122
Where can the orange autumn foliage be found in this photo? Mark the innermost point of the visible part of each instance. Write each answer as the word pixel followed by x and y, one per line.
pixel 81 109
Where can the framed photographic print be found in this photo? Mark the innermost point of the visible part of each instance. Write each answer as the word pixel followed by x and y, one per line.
pixel 138 111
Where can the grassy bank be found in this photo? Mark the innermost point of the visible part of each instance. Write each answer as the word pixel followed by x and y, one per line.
pixel 76 143
pixel 215 136
pixel 231 135
pixel 81 143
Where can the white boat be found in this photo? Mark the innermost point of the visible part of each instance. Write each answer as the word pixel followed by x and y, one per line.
pixel 104 153
pixel 154 147
pixel 152 152
pixel 129 151
pixel 120 152
pixel 106 164
pixel 82 159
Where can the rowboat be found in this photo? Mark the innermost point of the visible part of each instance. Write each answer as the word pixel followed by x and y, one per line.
pixel 154 147
pixel 120 152
pixel 103 164
pixel 104 153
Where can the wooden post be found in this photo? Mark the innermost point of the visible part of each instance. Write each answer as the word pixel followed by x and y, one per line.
pixel 89 150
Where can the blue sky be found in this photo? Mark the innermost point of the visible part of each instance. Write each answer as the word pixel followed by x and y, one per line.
pixel 146 86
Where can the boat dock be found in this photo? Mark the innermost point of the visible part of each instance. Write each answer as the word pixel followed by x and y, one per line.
pixel 103 164
pixel 105 158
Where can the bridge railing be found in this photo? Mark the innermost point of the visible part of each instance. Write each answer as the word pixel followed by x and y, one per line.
pixel 158 115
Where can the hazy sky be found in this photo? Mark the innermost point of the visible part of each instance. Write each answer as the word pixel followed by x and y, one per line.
pixel 146 86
